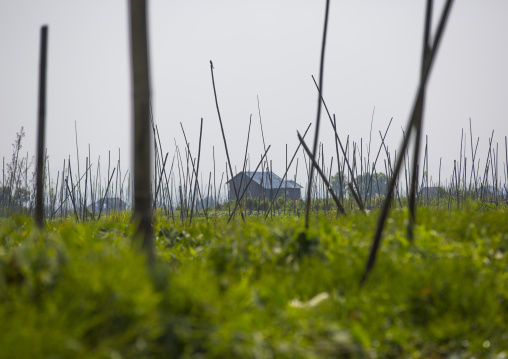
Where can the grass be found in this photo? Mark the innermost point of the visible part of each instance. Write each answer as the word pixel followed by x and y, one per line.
pixel 258 289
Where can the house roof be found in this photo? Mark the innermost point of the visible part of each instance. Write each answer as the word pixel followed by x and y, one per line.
pixel 266 180
pixel 112 202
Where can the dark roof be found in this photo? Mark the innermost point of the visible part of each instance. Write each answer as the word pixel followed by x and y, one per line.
pixel 266 179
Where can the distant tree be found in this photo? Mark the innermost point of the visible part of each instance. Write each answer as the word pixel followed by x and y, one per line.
pixel 4 195
pixel 337 184
pixel 376 187
pixel 22 196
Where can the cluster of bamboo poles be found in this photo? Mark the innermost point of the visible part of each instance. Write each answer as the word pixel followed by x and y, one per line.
pixel 83 195
pixel 180 193
pixel 178 189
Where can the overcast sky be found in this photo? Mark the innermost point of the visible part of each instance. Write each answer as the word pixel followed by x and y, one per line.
pixel 259 48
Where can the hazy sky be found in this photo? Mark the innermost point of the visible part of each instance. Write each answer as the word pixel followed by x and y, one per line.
pixel 265 48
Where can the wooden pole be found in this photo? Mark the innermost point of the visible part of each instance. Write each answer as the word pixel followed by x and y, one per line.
pixel 316 135
pixel 412 123
pixel 39 199
pixel 141 125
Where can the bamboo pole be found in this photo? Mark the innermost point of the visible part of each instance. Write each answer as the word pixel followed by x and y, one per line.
pixel 412 123
pixel 224 137
pixel 39 200
pixel 197 172
pixel 340 208
pixel 418 124
pixel 318 117
pixel 141 126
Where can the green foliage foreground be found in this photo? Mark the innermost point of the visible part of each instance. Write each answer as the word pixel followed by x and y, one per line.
pixel 257 290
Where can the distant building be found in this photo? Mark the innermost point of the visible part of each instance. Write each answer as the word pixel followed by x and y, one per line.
pixel 263 185
pixel 109 204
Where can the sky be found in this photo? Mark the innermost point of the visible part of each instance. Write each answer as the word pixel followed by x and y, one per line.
pixel 260 49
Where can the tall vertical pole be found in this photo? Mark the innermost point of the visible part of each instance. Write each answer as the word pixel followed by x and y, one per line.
pixel 39 196
pixel 316 136
pixel 418 124
pixel 141 126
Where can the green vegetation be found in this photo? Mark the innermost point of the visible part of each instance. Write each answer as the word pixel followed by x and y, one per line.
pixel 258 289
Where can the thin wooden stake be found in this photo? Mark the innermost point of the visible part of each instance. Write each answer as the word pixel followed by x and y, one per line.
pixel 318 117
pixel 224 136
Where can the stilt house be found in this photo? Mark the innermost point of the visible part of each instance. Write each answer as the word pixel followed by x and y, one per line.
pixel 263 185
